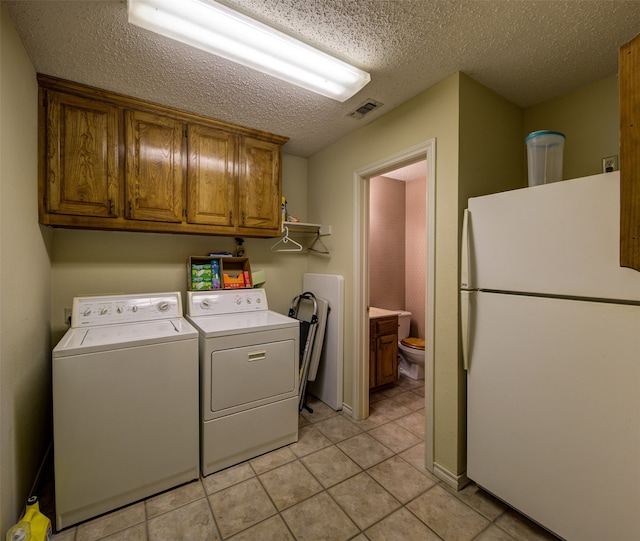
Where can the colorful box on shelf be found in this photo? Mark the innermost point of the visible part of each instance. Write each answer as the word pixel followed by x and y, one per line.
pixel 204 273
pixel 231 282
pixel 213 272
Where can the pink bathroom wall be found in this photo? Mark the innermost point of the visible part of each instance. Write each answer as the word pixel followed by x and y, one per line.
pixel 415 253
pixel 387 243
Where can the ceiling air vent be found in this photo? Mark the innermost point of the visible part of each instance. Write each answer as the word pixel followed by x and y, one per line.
pixel 365 108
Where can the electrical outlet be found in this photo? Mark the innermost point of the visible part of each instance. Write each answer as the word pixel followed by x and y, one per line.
pixel 67 316
pixel 610 164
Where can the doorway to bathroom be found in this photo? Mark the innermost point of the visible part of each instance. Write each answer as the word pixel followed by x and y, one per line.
pixel 398 243
pixel 418 160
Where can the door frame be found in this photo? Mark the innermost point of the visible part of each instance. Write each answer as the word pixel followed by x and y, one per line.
pixel 422 151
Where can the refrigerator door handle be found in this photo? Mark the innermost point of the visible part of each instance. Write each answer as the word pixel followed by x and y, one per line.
pixel 464 253
pixel 466 303
pixel 466 293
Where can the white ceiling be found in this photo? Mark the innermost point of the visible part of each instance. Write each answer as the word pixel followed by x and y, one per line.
pixel 528 51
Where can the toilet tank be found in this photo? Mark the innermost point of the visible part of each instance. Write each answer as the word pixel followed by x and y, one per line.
pixel 404 324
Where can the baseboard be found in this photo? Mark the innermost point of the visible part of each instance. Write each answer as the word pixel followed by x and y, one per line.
pixel 458 482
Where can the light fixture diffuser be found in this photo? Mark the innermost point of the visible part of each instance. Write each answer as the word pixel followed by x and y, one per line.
pixel 218 29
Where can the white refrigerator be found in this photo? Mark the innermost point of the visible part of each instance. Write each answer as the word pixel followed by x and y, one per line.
pixel 551 339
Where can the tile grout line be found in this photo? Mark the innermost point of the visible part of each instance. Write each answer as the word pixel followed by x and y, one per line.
pixel 366 470
pixel 278 511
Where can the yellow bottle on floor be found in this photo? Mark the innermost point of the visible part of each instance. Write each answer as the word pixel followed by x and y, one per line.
pixel 19 532
pixel 39 524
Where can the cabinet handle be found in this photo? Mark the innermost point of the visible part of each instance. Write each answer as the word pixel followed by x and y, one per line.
pixel 110 207
pixel 130 208
pixel 244 217
pixel 230 217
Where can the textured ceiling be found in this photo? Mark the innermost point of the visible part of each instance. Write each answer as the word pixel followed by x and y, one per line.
pixel 526 50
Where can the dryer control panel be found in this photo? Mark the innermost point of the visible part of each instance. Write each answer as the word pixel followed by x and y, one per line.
pixel 113 309
pixel 215 303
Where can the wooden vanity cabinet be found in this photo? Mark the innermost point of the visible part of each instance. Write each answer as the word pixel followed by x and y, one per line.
pixel 383 351
pixel 108 161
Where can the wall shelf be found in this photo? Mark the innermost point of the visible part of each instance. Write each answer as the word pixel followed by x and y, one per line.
pixel 287 244
pixel 302 227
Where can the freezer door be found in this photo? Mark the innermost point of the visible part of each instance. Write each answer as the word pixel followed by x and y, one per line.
pixel 554 412
pixel 560 239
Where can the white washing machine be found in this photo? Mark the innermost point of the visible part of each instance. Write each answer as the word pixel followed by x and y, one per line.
pixel 249 364
pixel 125 403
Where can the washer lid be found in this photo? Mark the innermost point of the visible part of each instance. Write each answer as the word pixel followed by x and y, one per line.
pixel 111 337
pixel 228 324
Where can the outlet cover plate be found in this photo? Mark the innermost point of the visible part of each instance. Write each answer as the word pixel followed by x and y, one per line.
pixel 609 164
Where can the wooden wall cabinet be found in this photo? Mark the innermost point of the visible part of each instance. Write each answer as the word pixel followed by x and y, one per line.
pixel 212 174
pixel 154 189
pixel 109 161
pixel 629 84
pixel 80 158
pixel 260 196
pixel 383 351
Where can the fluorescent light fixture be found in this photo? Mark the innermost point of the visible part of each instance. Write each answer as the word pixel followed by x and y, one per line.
pixel 217 29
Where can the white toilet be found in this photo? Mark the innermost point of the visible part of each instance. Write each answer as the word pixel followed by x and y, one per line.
pixel 410 350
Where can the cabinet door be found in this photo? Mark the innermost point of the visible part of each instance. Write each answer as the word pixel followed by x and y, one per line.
pixel 629 67
pixel 81 163
pixel 212 177
pixel 154 179
pixel 387 359
pixel 259 186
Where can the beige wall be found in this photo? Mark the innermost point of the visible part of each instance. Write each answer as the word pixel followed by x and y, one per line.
pixel 590 119
pixel 25 366
pixel 491 142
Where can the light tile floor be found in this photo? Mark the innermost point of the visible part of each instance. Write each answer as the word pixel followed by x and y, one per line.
pixel 343 480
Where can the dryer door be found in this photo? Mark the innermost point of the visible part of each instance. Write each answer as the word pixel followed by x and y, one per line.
pixel 250 376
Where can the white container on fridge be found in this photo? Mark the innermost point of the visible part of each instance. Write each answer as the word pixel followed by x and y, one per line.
pixel 545 150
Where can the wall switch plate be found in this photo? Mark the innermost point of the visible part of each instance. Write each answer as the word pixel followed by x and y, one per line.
pixel 610 164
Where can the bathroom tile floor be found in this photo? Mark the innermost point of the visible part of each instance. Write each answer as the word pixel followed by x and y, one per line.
pixel 343 480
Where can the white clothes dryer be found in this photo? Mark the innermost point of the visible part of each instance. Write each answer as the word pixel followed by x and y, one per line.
pixel 125 403
pixel 249 372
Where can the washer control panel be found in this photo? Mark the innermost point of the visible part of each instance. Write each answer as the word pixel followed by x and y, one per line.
pixel 112 309
pixel 232 301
